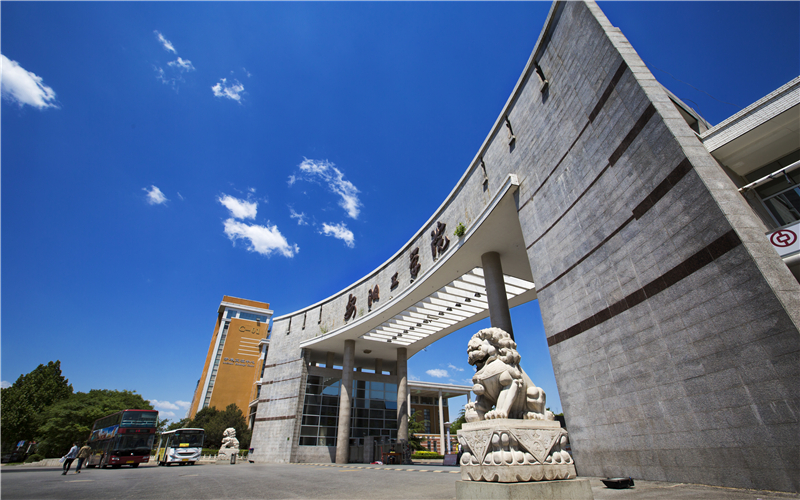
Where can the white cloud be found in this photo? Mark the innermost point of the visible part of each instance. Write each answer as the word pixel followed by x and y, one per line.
pixel 262 239
pixel 165 43
pixel 240 209
pixel 453 367
pixel 247 72
pixel 438 373
pixel 165 408
pixel 166 405
pixel 161 75
pixel 301 217
pixel 413 377
pixel 173 76
pixel 5 384
pixel 180 195
pixel 181 64
pixel 233 91
pixel 292 180
pixel 339 231
pixel 155 196
pixel 24 87
pixel 325 171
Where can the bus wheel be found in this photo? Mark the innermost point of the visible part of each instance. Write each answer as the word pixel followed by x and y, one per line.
pixel 135 465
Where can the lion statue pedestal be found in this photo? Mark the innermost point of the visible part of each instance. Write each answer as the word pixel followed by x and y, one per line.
pixel 512 451
pixel 230 446
pixel 510 441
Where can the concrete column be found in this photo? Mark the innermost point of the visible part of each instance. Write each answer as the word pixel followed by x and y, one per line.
pixel 441 425
pixel 496 292
pixel 329 360
pixel 402 394
pixel 378 366
pixel 409 404
pixel 345 396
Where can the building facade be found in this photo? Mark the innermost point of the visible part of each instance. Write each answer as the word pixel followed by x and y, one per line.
pixel 235 360
pixel 430 402
pixel 649 239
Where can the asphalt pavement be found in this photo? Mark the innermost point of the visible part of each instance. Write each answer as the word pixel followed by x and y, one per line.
pixel 300 481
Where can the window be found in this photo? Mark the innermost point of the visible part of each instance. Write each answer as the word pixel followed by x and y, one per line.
pixel 233 313
pixel 253 317
pixel 781 195
pixel 785 206
pixel 217 360
pixel 373 413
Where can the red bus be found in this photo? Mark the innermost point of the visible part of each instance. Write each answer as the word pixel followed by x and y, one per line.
pixel 123 438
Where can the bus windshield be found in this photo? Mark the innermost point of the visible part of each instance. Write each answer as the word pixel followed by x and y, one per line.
pixel 134 443
pixel 187 439
pixel 139 419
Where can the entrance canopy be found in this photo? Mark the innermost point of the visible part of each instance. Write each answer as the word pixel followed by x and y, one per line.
pixel 445 298
pixel 434 390
pixel 460 301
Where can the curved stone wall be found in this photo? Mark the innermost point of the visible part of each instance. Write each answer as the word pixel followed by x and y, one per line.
pixel 672 324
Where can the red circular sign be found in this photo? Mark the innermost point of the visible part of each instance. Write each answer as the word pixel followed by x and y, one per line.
pixel 783 238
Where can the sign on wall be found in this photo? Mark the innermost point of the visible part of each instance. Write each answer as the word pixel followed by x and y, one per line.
pixel 785 240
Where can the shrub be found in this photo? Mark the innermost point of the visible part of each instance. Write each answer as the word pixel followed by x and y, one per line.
pixel 426 455
pixel 34 458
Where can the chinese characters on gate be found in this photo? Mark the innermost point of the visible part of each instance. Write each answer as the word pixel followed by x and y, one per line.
pixel 439 245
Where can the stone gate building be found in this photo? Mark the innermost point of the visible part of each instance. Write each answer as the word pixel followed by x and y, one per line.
pixel 671 319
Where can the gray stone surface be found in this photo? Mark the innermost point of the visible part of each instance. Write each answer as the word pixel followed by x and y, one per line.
pixel 572 489
pixel 703 372
pixel 282 481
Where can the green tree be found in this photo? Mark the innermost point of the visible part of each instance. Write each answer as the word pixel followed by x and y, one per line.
pixel 180 424
pixel 71 420
pixel 455 426
pixel 203 417
pixel 161 425
pixel 415 427
pixel 214 422
pixel 24 402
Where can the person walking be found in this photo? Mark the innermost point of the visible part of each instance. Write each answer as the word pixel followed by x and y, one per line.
pixel 69 457
pixel 83 455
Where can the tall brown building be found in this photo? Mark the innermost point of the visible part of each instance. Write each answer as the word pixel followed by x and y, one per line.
pixel 232 371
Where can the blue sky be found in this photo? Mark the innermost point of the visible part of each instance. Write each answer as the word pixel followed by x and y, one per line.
pixel 157 156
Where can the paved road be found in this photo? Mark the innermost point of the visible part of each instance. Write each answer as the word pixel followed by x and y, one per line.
pixel 245 481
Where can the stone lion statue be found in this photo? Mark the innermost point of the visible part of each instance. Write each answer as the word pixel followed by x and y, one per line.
pixel 499 381
pixel 230 444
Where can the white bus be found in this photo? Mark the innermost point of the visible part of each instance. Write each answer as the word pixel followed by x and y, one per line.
pixel 182 446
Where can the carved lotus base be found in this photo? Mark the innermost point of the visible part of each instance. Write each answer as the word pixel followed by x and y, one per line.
pixel 227 453
pixel 511 450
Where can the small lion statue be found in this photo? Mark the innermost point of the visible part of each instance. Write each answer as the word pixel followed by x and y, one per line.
pixel 499 381
pixel 230 445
